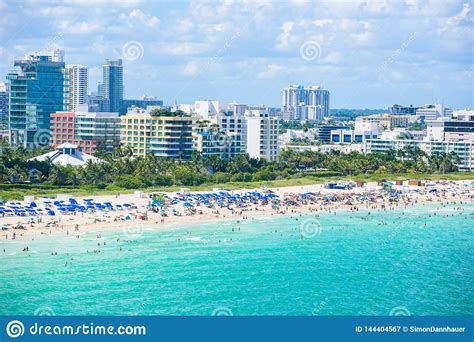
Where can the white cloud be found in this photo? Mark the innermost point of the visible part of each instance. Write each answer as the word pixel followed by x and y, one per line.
pixel 323 22
pixel 181 37
pixel 185 48
pixel 147 20
pixel 70 27
pixel 284 38
pixel 183 26
pixel 333 58
pixel 55 11
pixel 107 3
pixel 191 69
pixel 461 16
pixel 270 72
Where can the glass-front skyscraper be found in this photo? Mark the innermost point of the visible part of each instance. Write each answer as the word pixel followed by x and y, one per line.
pixel 35 90
pixel 113 86
pixel 3 107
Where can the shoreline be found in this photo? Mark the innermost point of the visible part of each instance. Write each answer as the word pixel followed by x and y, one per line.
pixel 450 192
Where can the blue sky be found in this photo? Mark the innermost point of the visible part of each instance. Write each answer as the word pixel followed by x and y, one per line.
pixel 369 54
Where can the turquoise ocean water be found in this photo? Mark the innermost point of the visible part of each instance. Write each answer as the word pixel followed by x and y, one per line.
pixel 348 264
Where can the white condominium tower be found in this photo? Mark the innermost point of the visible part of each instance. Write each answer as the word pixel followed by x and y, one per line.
pixel 77 79
pixel 262 134
pixel 305 103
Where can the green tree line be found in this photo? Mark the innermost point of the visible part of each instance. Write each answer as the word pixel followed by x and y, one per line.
pixel 122 170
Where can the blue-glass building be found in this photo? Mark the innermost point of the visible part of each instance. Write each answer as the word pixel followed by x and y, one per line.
pixel 3 108
pixel 112 86
pixel 35 90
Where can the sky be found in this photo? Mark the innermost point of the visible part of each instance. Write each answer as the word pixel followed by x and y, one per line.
pixel 368 54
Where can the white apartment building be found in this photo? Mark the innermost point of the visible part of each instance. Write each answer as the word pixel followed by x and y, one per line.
pixel 361 132
pixel 400 133
pixel 465 150
pixel 224 137
pixel 188 108
pixel 262 134
pixel 291 134
pixel 305 103
pixel 238 109
pixel 208 109
pixel 460 128
pixel 433 111
pixel 387 121
pixel 325 148
pixel 204 109
pixel 77 76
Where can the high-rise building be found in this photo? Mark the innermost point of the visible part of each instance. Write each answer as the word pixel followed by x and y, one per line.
pixel 35 90
pixel 77 85
pixel 235 128
pixel 164 136
pixel 3 107
pixel 261 135
pixel 223 137
pixel 90 131
pixel 112 86
pixel 305 103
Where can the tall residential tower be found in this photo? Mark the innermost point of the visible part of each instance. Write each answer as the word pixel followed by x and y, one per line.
pixel 113 86
pixel 305 103
pixel 77 81
pixel 35 90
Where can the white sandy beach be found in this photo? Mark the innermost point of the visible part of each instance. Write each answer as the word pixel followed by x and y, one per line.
pixel 139 215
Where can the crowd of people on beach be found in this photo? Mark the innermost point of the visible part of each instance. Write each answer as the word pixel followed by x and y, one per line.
pixel 72 215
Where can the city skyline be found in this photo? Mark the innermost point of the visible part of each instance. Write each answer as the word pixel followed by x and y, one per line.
pixel 183 51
